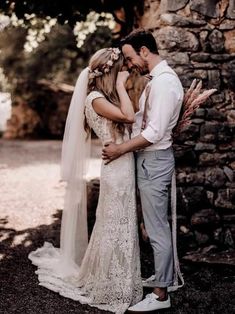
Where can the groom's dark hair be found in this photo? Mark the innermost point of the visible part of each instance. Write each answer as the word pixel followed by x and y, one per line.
pixel 139 38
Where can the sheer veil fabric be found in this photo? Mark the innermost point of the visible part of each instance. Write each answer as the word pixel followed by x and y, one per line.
pixel 64 262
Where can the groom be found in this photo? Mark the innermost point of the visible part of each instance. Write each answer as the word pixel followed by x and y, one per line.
pixel 159 108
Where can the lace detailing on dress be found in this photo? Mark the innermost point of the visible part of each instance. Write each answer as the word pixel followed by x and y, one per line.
pixel 102 127
pixel 99 124
pixel 109 276
pixel 110 271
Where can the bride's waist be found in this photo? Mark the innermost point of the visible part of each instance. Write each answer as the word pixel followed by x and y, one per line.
pixel 117 140
pixel 123 160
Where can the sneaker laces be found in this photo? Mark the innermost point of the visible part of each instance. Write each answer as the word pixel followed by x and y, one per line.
pixel 150 297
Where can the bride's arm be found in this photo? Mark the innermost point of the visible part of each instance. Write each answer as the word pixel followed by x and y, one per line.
pixel 125 113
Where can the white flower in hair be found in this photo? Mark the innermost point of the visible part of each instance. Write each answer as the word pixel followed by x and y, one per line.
pixel 116 53
pixel 97 72
pixel 110 63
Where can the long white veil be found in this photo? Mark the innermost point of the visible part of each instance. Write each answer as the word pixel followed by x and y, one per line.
pixel 64 261
pixel 74 165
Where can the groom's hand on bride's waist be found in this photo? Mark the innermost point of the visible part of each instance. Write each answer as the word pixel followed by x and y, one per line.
pixel 110 152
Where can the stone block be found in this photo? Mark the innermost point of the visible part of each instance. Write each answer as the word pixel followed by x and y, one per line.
pixel 225 134
pixel 209 128
pixel 216 40
pixel 197 121
pixel 172 38
pixel 181 177
pixel 229 173
pixel 225 199
pixel 205 147
pixel 214 79
pixel 230 41
pixel 204 40
pixel 206 65
pixel 200 56
pixel 214 114
pixel 206 159
pixel 210 197
pixel 175 58
pixel 195 178
pixel 199 74
pixel 191 132
pixel 172 5
pixel 201 238
pixel 195 198
pixel 227 25
pixel 231 116
pixel 206 217
pixel 215 177
pixel 200 113
pixel 228 238
pixel 222 57
pixel 225 147
pixel 231 10
pixel 206 8
pixel 186 157
pixel 182 21
pixel 217 98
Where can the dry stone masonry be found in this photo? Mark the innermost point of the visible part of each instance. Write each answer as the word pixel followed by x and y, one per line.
pixel 197 38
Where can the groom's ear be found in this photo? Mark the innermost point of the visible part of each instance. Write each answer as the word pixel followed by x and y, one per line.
pixel 144 51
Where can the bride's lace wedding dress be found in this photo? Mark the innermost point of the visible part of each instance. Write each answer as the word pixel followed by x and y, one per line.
pixel 109 277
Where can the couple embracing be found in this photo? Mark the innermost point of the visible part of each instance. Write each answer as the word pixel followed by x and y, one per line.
pixel 105 273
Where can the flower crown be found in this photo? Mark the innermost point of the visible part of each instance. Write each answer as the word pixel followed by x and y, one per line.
pixel 115 53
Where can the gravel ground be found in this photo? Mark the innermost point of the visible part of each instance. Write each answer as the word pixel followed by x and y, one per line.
pixel 30 212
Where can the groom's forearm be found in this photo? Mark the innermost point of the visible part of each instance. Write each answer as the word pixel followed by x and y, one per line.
pixel 113 151
pixel 136 143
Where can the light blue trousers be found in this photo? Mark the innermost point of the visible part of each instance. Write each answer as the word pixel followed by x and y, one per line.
pixel 154 174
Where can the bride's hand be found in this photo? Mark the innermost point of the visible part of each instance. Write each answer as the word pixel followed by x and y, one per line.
pixel 122 78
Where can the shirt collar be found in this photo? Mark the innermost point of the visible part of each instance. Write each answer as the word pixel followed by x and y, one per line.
pixel 158 68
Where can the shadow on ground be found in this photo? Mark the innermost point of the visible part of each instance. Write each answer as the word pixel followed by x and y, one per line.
pixel 208 289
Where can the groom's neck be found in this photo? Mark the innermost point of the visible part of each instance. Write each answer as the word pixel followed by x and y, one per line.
pixel 153 61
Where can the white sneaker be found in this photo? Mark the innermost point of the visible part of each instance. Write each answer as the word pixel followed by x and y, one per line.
pixel 150 303
pixel 150 283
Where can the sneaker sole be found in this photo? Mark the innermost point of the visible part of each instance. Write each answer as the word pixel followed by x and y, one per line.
pixel 144 312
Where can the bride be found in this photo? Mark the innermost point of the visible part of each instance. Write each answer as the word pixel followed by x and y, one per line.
pixel 106 272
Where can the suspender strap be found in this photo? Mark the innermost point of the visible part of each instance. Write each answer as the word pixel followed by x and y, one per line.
pixel 147 92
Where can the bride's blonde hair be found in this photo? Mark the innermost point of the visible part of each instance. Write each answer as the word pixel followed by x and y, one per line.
pixel 104 66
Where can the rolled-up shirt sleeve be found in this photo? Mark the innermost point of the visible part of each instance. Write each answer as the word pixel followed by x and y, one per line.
pixel 162 101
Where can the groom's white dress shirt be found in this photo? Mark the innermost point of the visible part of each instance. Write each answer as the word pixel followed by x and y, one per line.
pixel 164 104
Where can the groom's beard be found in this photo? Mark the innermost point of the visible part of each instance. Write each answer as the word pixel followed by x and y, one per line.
pixel 142 70
pixel 139 70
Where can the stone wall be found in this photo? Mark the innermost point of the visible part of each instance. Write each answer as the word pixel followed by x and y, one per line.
pixel 197 38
